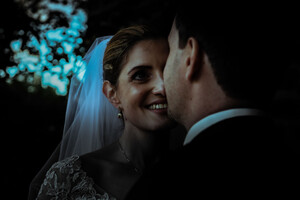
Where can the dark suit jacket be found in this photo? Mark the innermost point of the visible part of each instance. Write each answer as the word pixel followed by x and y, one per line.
pixel 236 158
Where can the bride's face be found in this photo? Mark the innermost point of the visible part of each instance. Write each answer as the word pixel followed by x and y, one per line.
pixel 140 87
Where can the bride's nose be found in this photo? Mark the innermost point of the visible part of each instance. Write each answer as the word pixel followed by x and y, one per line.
pixel 158 86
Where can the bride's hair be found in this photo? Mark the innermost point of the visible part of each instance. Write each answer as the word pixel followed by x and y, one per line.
pixel 119 46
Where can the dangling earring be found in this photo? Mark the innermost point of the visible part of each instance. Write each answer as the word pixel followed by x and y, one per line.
pixel 120 115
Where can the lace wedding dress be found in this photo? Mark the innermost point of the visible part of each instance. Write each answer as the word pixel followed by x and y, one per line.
pixel 66 180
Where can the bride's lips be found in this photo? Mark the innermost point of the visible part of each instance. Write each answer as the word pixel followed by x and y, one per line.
pixel 158 106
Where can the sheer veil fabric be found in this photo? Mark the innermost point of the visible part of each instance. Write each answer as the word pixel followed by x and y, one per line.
pixel 91 121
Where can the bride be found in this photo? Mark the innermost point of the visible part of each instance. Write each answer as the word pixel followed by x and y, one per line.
pixel 116 124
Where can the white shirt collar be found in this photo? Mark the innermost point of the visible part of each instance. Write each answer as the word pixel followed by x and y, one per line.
pixel 212 119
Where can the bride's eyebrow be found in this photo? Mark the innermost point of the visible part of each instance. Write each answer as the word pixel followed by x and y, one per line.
pixel 139 67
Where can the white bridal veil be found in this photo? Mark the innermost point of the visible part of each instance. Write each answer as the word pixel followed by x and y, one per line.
pixel 91 120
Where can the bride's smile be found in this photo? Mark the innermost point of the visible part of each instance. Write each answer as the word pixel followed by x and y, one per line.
pixel 140 91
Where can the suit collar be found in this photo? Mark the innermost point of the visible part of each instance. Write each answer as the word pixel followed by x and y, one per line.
pixel 212 119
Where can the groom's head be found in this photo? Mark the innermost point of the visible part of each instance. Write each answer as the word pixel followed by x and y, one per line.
pixel 221 58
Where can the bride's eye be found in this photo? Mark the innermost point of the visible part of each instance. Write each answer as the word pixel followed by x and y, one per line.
pixel 141 75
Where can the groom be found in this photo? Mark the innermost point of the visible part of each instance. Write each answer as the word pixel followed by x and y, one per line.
pixel 222 71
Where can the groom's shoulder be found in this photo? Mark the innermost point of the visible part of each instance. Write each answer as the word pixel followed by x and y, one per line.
pixel 234 150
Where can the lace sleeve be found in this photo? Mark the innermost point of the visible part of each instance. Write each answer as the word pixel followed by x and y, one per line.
pixel 58 181
pixel 66 180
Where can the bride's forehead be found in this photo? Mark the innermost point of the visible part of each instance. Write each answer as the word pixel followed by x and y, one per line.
pixel 146 51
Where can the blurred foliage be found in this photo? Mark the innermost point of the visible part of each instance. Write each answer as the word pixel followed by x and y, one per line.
pixel 54 35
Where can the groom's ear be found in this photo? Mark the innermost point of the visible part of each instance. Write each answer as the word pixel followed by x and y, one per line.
pixel 194 59
pixel 111 94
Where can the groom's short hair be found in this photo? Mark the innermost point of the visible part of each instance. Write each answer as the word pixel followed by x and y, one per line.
pixel 245 46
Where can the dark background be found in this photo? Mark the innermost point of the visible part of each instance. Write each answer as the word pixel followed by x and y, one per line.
pixel 32 123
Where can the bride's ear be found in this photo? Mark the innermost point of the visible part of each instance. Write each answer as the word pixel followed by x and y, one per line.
pixel 111 94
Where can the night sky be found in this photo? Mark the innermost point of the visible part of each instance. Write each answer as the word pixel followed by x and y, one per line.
pixel 32 117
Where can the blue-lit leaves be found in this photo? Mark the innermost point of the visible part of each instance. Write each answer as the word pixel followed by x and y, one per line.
pixel 56 35
pixel 16 45
pixel 2 73
pixel 12 71
pixel 48 57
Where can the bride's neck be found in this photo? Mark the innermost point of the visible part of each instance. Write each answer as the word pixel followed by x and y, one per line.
pixel 142 147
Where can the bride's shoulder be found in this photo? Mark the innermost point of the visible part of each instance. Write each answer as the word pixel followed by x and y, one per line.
pixel 98 164
pixel 63 176
pixel 105 154
pixel 67 165
pixel 63 169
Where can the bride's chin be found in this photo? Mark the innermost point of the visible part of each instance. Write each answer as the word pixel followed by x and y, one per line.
pixel 166 126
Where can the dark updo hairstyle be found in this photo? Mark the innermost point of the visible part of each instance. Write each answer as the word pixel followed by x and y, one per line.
pixel 118 47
